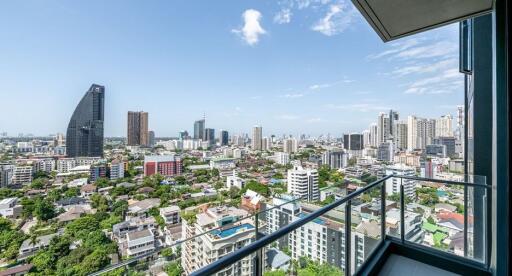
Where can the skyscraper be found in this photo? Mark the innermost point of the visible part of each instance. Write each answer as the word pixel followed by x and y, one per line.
pixel 353 141
pixel 420 132
pixel 151 138
pixel 85 129
pixel 400 135
pixel 256 137
pixel 138 128
pixel 444 126
pixel 374 137
pixel 290 145
pixel 382 128
pixel 199 129
pixel 209 135
pixel 224 138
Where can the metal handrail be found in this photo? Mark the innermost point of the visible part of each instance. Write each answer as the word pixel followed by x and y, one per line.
pixel 179 242
pixel 258 244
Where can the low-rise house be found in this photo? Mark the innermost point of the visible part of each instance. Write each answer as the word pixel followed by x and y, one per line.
pixel 251 201
pixel 17 270
pixel 139 243
pixel 120 230
pixel 145 190
pixel 87 190
pixel 29 247
pixel 68 203
pixel 141 208
pixel 78 182
pixel 171 214
pixel 277 260
pixel 235 181
pixel 9 207
pixel 74 213
pixel 444 207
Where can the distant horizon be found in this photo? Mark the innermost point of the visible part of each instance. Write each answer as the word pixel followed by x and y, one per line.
pixel 311 67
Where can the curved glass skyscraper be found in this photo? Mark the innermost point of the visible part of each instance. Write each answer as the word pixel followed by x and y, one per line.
pixel 85 130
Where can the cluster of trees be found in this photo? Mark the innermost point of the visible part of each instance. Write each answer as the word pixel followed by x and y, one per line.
pixel 10 239
pixel 325 174
pixel 90 255
pixel 427 196
pixel 254 185
pixel 307 267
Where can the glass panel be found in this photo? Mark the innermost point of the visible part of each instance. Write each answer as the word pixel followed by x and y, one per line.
pixel 366 226
pixel 393 206
pixel 317 247
pixel 441 213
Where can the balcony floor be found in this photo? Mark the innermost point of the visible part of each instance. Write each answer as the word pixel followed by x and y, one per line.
pixel 399 265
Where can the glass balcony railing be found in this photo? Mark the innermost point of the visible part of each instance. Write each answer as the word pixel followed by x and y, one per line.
pixel 337 234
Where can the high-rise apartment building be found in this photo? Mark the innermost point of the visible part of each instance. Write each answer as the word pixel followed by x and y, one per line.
pixel 151 138
pixel 383 128
pixel 444 126
pixel 353 141
pixel 85 129
pixel 116 169
pixel 303 183
pixel 166 165
pixel 279 214
pixel 209 136
pixel 400 135
pixel 6 175
pixel 282 158
pixel 374 135
pixel 199 126
pixel 366 138
pixel 290 145
pixel 207 248
pixel 420 132
pixel 393 184
pixel 335 159
pixel 138 128
pixel 224 138
pixel 257 137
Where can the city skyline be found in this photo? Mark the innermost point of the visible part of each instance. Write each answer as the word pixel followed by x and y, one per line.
pixel 298 68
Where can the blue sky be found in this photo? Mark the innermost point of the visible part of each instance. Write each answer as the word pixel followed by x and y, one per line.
pixel 295 66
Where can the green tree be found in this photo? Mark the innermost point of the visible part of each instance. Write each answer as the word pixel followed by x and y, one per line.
pixel 274 273
pixel 43 209
pixel 173 269
pixel 257 187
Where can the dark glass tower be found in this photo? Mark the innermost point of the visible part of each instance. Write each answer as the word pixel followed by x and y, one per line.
pixel 85 130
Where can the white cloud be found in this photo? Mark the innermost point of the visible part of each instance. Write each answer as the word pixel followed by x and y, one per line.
pixel 361 107
pixel 289 117
pixel 319 86
pixel 337 19
pixel 292 96
pixel 445 82
pixel 423 68
pixel 396 47
pixel 284 16
pixel 327 85
pixel 418 48
pixel 314 120
pixel 252 29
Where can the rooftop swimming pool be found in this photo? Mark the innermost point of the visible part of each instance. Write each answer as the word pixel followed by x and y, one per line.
pixel 231 231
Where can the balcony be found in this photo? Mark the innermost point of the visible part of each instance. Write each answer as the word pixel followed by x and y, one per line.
pixel 424 232
pixel 442 229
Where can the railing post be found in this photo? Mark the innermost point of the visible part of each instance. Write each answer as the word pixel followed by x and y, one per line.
pixel 348 240
pixel 258 259
pixel 383 210
pixel 402 211
pixel 466 196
